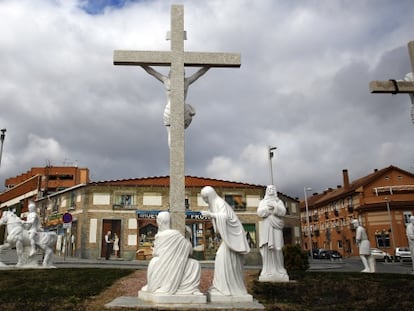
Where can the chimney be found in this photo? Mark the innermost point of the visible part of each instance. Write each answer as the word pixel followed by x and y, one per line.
pixel 345 178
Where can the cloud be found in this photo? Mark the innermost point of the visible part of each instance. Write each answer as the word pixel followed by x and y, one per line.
pixel 302 86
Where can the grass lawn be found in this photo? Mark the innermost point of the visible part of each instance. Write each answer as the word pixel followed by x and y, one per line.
pixel 338 291
pixel 90 288
pixel 54 289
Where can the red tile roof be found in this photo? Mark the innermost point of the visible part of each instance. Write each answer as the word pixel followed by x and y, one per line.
pixel 164 181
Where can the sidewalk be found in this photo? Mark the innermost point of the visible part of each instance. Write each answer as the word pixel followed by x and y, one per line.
pixel 9 257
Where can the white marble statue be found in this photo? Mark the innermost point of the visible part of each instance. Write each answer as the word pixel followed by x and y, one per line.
pixel 189 110
pixel 171 273
pixel 271 209
pixel 33 226
pixel 410 236
pixel 228 282
pixel 364 247
pixel 18 237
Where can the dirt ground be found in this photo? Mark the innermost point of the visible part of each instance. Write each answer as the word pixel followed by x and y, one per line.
pixel 130 285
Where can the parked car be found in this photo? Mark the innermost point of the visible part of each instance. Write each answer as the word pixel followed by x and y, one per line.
pixel 316 253
pixel 380 255
pixel 402 253
pixel 332 255
pixel 326 254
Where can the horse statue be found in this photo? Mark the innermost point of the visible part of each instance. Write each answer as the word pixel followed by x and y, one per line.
pixel 18 237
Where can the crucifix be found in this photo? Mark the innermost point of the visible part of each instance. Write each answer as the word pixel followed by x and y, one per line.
pixel 398 86
pixel 177 59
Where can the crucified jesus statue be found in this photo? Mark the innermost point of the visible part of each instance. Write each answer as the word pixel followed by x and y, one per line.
pixel 189 110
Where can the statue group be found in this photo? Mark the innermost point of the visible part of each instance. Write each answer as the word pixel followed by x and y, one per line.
pixel 174 277
pixel 27 236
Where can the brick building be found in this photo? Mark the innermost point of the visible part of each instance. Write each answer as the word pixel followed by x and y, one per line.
pixel 383 201
pixel 36 183
pixel 129 208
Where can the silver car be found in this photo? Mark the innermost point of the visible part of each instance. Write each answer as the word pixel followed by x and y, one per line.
pixel 380 255
pixel 402 253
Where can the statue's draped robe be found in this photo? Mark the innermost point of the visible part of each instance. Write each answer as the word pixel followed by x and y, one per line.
pixel 271 235
pixel 362 238
pixel 228 268
pixel 171 271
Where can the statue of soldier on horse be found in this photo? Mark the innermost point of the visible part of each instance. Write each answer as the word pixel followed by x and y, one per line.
pixel 28 236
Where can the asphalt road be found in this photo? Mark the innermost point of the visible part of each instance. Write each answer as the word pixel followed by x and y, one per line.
pixel 352 264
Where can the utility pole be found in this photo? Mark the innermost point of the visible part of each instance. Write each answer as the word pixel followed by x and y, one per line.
pixel 2 136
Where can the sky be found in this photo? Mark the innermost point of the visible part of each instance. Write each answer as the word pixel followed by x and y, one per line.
pixel 303 87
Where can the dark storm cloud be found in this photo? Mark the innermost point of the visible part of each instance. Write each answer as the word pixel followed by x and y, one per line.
pixel 302 86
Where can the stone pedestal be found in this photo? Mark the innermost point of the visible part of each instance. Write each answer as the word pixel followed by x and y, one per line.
pixel 212 297
pixel 172 299
pixel 274 278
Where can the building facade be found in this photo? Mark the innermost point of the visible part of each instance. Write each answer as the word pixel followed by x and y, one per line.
pixel 129 208
pixel 37 183
pixel 382 201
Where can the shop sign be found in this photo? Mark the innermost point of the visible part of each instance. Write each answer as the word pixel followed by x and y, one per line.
pixel 147 214
pixel 195 216
pixel 189 215
pixel 54 220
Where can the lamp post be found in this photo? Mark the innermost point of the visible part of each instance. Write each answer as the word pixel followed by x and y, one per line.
pixel 305 190
pixel 2 136
pixel 270 149
pixel 387 201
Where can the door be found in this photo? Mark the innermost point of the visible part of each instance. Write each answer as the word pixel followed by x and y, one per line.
pixel 113 225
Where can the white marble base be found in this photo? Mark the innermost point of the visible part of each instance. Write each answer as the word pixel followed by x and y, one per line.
pixel 139 304
pixel 169 299
pixel 213 297
pixel 274 278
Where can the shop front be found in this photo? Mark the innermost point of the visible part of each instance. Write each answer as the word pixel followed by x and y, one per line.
pixel 198 230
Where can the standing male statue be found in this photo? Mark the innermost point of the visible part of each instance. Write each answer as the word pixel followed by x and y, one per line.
pixel 410 236
pixel 271 209
pixel 189 110
pixel 33 226
pixel 364 247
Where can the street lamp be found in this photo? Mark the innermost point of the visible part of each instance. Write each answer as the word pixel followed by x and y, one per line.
pixel 270 162
pixel 305 190
pixel 387 201
pixel 2 136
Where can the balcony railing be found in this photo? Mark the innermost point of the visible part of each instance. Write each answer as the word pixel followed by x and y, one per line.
pixel 124 207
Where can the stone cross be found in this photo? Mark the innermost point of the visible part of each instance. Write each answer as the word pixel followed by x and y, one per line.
pixel 177 59
pixel 395 86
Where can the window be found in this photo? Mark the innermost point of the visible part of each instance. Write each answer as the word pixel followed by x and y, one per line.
pixel 72 203
pixel 407 215
pixel 287 207
pixel 339 243
pixel 236 201
pixel 250 234
pixel 55 206
pixel 382 238
pixel 124 201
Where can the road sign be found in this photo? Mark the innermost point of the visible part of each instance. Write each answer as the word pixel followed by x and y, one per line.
pixel 67 218
pixel 67 225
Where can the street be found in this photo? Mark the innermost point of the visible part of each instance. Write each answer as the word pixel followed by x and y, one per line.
pixel 354 264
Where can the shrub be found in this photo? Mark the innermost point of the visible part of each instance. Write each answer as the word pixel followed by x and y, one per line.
pixel 295 258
